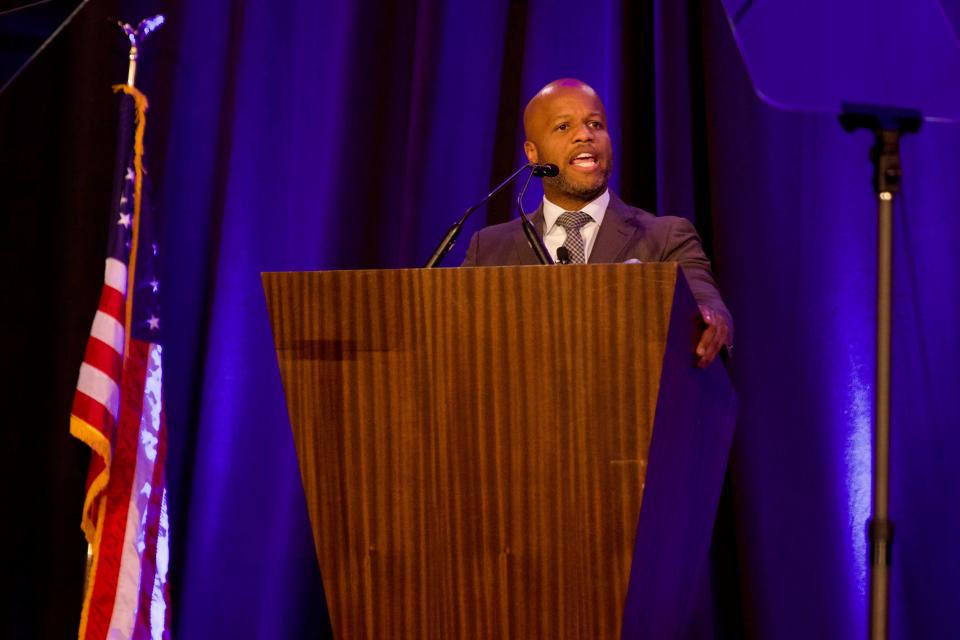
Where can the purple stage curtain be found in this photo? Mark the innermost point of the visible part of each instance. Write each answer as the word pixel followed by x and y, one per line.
pixel 316 135
pixel 795 237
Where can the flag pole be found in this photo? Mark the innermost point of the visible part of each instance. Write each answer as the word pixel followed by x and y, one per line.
pixel 136 36
pixel 131 34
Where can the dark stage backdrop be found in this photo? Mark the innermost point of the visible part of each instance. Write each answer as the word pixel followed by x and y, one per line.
pixel 322 134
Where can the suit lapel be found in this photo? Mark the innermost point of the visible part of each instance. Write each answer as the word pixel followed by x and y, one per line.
pixel 614 233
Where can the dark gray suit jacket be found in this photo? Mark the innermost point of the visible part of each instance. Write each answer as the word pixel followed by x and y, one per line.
pixel 626 232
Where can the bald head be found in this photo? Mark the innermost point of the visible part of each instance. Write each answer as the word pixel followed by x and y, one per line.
pixel 540 103
pixel 565 124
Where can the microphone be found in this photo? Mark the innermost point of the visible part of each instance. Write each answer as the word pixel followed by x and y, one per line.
pixel 546 170
pixel 450 238
pixel 563 255
pixel 543 256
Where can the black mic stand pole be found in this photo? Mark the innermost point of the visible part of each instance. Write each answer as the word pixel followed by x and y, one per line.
pixel 543 256
pixel 887 125
pixel 451 237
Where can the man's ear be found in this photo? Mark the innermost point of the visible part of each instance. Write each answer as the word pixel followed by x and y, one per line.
pixel 531 150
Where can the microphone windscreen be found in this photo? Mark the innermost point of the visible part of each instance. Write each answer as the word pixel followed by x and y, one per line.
pixel 563 255
pixel 545 170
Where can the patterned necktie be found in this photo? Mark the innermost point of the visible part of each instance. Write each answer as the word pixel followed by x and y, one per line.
pixel 572 221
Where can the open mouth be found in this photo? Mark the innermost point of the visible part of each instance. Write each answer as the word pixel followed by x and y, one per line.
pixel 585 161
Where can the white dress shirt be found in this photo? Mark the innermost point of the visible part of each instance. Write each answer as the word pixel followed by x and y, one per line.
pixel 555 234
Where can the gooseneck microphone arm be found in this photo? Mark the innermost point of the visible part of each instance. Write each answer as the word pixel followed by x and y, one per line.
pixel 534 240
pixel 454 231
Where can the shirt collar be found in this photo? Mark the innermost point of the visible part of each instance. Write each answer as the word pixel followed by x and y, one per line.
pixel 596 209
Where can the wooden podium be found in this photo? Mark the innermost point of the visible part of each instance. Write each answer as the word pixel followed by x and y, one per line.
pixel 504 452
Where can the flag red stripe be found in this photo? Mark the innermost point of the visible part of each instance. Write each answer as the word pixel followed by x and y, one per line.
pixel 117 495
pixel 111 303
pixel 102 356
pixel 93 413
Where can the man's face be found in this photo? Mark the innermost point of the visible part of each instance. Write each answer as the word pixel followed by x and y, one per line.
pixel 568 127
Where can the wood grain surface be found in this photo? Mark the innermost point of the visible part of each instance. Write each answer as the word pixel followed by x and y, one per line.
pixel 473 442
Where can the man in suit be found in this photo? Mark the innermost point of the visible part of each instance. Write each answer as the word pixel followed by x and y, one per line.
pixel 566 125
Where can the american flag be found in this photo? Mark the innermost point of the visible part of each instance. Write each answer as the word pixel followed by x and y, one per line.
pixel 118 411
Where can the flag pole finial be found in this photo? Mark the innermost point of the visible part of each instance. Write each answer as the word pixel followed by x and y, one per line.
pixel 136 36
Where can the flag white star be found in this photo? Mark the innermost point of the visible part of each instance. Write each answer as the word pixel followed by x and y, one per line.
pixel 154 285
pixel 154 323
pixel 130 175
pixel 124 220
pixel 123 199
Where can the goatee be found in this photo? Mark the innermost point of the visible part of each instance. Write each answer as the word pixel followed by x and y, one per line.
pixel 580 192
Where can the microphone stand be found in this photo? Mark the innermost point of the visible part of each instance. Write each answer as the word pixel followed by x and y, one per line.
pixel 451 237
pixel 887 126
pixel 534 240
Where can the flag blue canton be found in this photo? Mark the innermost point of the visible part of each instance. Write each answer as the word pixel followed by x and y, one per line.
pixel 145 317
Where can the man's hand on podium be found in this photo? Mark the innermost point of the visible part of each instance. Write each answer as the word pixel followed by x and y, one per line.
pixel 715 335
